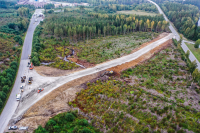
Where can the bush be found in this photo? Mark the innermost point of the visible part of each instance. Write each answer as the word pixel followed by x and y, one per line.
pixel 69 117
pixel 83 122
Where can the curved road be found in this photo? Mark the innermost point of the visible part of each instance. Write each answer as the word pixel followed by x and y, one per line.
pixel 12 104
pixel 183 45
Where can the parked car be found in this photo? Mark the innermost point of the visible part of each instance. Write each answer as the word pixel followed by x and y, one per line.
pixel 12 128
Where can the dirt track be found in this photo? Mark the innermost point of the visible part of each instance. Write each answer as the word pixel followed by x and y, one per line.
pixel 57 101
pixel 41 104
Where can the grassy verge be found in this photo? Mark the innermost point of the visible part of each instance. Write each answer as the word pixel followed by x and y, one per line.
pixel 195 51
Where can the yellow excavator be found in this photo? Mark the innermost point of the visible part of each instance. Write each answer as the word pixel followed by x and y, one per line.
pixel 107 73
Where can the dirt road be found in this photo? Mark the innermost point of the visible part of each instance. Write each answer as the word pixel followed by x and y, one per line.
pixel 27 102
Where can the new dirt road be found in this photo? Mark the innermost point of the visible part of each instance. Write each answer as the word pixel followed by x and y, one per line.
pixel 12 104
pixel 27 102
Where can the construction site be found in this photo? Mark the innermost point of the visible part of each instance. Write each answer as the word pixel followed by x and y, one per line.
pixel 46 92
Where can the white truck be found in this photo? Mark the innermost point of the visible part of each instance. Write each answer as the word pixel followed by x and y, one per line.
pixel 18 96
pixel 35 20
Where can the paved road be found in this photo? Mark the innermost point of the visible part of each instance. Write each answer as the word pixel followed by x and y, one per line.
pixel 199 22
pixel 35 97
pixel 183 45
pixel 23 69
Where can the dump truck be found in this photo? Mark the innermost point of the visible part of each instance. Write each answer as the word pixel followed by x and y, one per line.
pixel 31 66
pixel 23 79
pixel 30 80
pixel 18 96
pixel 40 90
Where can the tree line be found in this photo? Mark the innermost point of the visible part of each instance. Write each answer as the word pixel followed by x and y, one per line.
pixel 21 25
pixel 105 2
pixel 7 78
pixel 96 24
pixel 66 123
pixel 184 17
pixel 116 7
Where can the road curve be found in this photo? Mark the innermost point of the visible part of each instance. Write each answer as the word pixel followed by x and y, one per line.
pixel 12 104
pixel 35 97
pixel 183 45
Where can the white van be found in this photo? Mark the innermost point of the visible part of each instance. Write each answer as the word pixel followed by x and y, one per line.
pixel 18 96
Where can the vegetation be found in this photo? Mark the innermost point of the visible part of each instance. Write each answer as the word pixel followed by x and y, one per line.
pixel 113 8
pixel 70 122
pixel 85 30
pixel 151 97
pixel 14 21
pixel 105 3
pixel 138 12
pixel 194 50
pixel 184 17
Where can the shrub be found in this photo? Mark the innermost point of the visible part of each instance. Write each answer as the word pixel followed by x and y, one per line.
pixel 83 122
pixel 69 117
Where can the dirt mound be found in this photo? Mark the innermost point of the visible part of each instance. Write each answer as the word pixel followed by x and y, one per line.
pixel 141 59
pixel 81 62
pixel 53 72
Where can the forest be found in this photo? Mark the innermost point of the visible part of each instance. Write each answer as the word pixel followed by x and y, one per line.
pixel 105 2
pixel 14 21
pixel 113 8
pixel 192 2
pixel 67 29
pixel 184 18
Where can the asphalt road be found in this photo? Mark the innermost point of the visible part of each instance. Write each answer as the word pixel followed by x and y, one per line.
pixel 12 104
pixel 199 22
pixel 173 30
pixel 35 97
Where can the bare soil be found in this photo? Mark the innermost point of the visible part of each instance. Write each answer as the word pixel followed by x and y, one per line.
pixel 141 59
pixel 54 103
pixel 53 72
pixel 81 62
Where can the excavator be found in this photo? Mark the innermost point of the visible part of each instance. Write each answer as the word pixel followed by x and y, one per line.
pixel 31 66
pixel 107 72
pixel 40 90
pixel 23 79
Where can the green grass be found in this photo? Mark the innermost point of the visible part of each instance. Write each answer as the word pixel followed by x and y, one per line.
pixel 138 12
pixel 195 51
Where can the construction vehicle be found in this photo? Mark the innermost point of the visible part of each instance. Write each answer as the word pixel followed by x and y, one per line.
pixel 23 79
pixel 40 90
pixel 29 56
pixel 107 72
pixel 31 66
pixel 22 86
pixel 30 80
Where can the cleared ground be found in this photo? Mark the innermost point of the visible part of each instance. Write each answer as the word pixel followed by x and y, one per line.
pixel 138 12
pixel 195 51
